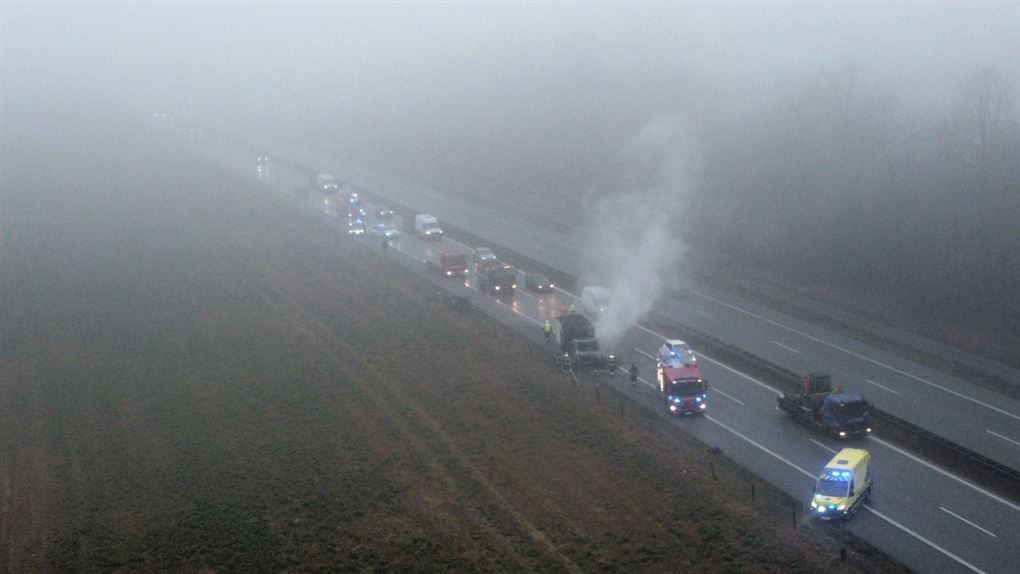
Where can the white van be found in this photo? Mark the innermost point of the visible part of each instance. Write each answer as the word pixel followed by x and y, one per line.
pixel 427 226
pixel 594 300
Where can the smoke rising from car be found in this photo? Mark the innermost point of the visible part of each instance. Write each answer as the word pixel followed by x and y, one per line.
pixel 633 237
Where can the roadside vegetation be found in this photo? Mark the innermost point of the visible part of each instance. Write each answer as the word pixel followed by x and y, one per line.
pixel 194 378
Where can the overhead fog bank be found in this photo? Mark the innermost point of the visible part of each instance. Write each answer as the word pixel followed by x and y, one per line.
pixel 633 238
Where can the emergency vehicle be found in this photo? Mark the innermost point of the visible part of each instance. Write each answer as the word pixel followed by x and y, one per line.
pixel 844 485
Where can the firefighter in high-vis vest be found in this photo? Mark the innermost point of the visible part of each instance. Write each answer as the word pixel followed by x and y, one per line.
pixel 565 363
pixel 611 364
pixel 547 330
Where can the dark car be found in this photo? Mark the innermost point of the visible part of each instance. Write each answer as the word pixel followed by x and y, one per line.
pixel 538 282
pixel 383 213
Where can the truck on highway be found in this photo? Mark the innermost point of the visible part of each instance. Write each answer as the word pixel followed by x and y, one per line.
pixel 575 336
pixel 498 279
pixel 683 390
pixel 682 387
pixel 446 263
pixel 838 414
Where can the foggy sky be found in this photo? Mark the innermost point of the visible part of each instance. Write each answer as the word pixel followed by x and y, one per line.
pixel 372 61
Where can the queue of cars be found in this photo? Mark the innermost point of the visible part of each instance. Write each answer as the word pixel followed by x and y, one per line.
pixel 843 486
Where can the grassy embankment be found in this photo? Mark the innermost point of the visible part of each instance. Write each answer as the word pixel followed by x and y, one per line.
pixel 193 379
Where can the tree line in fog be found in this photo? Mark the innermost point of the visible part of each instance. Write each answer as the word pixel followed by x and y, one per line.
pixel 839 183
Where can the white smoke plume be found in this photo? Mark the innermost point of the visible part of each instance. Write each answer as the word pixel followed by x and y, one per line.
pixel 634 236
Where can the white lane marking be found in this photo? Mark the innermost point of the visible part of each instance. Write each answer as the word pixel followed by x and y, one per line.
pixel 639 378
pixel 734 399
pixel 833 451
pixel 868 359
pixel 399 250
pixel 525 293
pixel 565 292
pixel 962 519
pixel 883 387
pixel 778 457
pixel 964 482
pixel 874 438
pixel 788 348
pixel 867 507
pixel 1005 438
pixel 703 313
pixel 643 353
pixel 526 316
pixel 745 375
pixel 762 447
pixel 954 557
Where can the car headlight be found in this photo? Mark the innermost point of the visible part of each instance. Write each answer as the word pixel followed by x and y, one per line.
pixel 672 407
pixel 814 504
pixel 842 434
pixel 702 406
pixel 867 430
pixel 841 506
pixel 497 287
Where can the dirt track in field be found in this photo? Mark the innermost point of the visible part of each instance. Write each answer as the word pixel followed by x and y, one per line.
pixel 194 378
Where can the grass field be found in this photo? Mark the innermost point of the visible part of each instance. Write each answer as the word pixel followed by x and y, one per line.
pixel 195 379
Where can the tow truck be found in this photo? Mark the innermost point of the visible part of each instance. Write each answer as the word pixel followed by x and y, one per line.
pixel 832 411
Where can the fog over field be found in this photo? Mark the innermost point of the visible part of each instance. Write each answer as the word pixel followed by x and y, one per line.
pixel 873 143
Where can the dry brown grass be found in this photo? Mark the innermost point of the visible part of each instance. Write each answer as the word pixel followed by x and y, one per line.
pixel 194 379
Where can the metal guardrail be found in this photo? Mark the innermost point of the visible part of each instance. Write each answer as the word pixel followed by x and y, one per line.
pixel 886 417
pixel 785 374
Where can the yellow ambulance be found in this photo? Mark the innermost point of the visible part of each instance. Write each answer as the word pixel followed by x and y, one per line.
pixel 844 485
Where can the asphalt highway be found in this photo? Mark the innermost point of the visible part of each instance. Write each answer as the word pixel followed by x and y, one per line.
pixel 923 515
pixel 967 414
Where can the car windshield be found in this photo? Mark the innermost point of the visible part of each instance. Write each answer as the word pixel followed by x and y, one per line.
pixel 430 225
pixel 456 259
pixel 832 487
pixel 587 346
pixel 540 279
